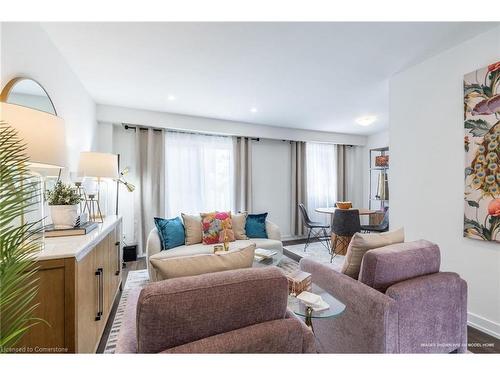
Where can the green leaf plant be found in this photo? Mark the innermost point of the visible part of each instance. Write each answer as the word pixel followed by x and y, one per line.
pixel 20 240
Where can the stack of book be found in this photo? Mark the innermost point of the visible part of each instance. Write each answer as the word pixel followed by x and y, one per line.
pixel 80 230
pixel 298 282
pixel 263 254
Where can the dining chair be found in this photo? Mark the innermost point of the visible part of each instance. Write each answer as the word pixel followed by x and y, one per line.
pixel 344 224
pixel 382 227
pixel 316 229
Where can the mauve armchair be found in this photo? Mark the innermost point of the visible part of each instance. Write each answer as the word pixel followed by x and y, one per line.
pixel 238 311
pixel 400 303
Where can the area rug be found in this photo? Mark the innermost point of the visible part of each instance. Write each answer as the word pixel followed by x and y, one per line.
pixel 137 279
pixel 315 251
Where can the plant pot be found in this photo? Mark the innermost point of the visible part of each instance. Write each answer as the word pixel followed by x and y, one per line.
pixel 64 216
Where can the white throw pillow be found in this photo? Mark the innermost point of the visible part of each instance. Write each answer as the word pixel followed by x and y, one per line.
pixel 192 229
pixel 170 268
pixel 362 242
pixel 239 222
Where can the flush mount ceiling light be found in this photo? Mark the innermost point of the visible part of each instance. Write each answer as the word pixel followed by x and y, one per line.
pixel 366 120
pixel 171 97
pixel 253 110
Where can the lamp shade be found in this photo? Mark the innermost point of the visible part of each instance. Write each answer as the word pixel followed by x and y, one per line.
pixel 43 134
pixel 98 164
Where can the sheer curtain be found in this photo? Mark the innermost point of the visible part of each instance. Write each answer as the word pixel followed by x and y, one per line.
pixel 321 170
pixel 198 173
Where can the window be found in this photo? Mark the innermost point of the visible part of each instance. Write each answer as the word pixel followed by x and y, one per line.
pixel 198 174
pixel 321 161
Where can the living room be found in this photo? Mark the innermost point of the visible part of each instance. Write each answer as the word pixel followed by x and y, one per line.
pixel 236 187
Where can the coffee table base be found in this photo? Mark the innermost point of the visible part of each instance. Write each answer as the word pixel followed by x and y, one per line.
pixel 308 318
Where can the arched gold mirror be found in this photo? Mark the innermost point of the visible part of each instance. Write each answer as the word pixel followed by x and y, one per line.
pixel 29 93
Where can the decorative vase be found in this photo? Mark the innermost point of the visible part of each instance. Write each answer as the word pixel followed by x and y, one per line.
pixel 64 216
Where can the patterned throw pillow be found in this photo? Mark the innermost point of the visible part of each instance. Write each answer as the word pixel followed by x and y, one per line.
pixel 213 224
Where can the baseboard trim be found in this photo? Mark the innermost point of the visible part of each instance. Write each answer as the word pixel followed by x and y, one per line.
pixel 484 325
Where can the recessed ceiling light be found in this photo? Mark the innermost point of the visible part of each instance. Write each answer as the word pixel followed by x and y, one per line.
pixel 253 110
pixel 366 120
pixel 171 97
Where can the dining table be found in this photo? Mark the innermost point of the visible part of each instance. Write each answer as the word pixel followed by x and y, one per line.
pixel 331 210
pixel 339 243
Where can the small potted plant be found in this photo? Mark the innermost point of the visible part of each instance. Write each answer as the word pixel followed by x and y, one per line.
pixel 63 202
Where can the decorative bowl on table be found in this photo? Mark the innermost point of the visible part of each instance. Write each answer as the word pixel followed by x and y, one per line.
pixel 344 205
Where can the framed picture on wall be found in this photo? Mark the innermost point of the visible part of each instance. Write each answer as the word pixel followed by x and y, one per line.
pixel 482 146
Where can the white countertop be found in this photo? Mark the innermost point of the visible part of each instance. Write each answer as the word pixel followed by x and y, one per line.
pixel 77 246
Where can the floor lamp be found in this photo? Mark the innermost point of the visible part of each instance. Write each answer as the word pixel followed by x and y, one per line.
pixel 97 165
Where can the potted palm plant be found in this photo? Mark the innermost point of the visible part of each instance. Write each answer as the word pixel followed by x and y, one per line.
pixel 63 202
pixel 20 240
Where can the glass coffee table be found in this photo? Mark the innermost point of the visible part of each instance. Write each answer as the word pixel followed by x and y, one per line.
pixel 299 308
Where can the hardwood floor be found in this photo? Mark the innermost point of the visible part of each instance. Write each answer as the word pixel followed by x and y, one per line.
pixel 478 342
pixel 482 343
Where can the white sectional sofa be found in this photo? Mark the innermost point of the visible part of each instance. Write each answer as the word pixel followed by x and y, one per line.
pixel 153 247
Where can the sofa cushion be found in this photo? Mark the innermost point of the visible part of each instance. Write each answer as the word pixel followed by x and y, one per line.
pixel 200 248
pixel 212 223
pixel 255 226
pixel 171 232
pixel 170 268
pixel 239 222
pixel 361 243
pixel 192 228
pixel 389 265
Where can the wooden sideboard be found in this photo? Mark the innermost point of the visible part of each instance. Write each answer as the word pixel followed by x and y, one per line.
pixel 79 277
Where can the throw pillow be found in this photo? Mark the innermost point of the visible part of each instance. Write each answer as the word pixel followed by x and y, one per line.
pixel 214 222
pixel 171 232
pixel 255 226
pixel 361 243
pixel 239 221
pixel 192 228
pixel 169 268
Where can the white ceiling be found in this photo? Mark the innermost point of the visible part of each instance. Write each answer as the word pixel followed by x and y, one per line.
pixel 317 76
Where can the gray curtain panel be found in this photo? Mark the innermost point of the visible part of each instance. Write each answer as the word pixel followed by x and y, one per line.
pixel 150 167
pixel 299 184
pixel 242 174
pixel 341 174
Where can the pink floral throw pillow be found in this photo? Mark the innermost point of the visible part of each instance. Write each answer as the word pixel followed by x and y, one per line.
pixel 213 224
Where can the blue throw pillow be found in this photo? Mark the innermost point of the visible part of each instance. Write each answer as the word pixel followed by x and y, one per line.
pixel 171 232
pixel 255 226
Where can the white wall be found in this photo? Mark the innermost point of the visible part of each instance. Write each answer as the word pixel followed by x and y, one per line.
pixel 271 182
pixel 27 51
pixel 427 169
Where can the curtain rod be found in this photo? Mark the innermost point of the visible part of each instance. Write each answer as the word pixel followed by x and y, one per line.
pixel 143 127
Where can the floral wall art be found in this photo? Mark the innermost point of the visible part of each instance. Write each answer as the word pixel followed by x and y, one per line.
pixel 482 151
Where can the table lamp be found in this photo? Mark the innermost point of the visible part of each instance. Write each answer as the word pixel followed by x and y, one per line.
pixel 97 165
pixel 44 136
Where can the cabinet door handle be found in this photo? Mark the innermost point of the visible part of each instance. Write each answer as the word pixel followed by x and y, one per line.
pixel 119 265
pixel 100 300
